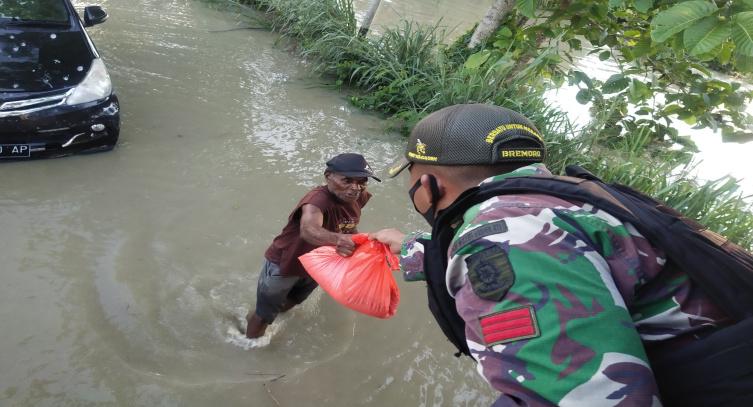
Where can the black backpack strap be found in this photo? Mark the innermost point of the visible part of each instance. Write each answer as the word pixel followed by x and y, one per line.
pixel 719 267
pixel 579 172
pixel 441 304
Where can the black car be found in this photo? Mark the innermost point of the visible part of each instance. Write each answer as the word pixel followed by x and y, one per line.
pixel 55 93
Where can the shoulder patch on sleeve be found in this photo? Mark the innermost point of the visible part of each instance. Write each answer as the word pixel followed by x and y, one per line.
pixel 477 233
pixel 508 326
pixel 490 273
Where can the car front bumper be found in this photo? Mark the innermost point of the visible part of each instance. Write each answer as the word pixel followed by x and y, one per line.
pixel 61 130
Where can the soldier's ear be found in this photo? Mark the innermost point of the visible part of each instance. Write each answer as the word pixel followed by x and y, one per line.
pixel 433 187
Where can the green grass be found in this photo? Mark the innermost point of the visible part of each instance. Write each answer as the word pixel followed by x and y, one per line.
pixel 408 71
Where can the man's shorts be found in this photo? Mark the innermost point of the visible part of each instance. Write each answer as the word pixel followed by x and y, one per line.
pixel 275 292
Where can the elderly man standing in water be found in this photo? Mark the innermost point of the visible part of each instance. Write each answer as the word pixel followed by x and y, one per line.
pixel 326 216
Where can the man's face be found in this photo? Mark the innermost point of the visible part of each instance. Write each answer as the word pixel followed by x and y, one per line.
pixel 347 189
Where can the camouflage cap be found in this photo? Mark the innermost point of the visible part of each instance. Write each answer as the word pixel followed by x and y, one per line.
pixel 472 134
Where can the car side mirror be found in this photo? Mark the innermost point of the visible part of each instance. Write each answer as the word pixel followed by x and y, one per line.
pixel 94 15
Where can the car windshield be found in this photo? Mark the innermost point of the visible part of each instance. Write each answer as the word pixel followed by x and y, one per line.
pixel 53 11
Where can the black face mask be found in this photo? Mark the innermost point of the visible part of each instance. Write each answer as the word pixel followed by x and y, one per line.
pixel 430 215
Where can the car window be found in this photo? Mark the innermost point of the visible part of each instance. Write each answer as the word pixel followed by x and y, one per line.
pixel 33 10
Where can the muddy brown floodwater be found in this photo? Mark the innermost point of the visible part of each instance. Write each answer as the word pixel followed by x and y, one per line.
pixel 124 273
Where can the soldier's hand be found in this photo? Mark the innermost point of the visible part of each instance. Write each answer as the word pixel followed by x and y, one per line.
pixel 391 237
pixel 345 245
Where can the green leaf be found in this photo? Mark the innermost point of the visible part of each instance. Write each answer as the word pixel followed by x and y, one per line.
pixel 691 119
pixel 500 44
pixel 744 63
pixel 700 68
pixel 679 17
pixel 642 47
pixel 677 45
pixel 734 100
pixel 599 10
pixel 616 3
pixel 603 56
pixel 725 55
pixel 628 54
pixel 643 5
pixel 476 60
pixel 582 77
pixel 526 7
pixel 615 83
pixel 504 32
pixel 737 136
pixel 671 109
pixel 503 65
pixel 558 79
pixel 705 36
pixel 742 33
pixel 583 96
pixel 638 91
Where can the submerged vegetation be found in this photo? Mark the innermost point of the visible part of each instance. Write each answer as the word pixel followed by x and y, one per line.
pixel 408 71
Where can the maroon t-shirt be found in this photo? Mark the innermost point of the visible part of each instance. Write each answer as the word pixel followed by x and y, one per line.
pixel 339 216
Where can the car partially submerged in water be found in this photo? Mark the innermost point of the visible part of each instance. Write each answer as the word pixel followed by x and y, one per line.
pixel 56 97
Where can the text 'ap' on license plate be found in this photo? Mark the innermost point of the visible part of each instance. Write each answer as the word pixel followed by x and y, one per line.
pixel 14 150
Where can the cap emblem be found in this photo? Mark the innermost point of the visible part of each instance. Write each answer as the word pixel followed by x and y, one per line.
pixel 420 153
pixel 420 147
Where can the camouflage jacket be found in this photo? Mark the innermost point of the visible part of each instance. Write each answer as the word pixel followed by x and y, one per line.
pixel 560 300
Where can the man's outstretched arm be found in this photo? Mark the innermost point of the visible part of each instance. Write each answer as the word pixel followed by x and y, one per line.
pixel 313 231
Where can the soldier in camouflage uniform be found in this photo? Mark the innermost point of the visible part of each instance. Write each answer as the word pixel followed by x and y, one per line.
pixel 559 300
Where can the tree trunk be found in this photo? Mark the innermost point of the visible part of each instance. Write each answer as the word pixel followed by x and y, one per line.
pixel 370 12
pixel 491 20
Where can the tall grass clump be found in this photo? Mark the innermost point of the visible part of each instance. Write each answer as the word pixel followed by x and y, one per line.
pixel 408 71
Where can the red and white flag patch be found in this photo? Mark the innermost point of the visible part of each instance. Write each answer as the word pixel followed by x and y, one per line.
pixel 508 326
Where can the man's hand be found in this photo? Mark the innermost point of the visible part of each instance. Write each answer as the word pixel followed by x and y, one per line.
pixel 391 237
pixel 345 245
pixel 314 233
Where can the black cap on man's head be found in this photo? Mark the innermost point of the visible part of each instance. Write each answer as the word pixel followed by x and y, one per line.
pixel 472 134
pixel 350 165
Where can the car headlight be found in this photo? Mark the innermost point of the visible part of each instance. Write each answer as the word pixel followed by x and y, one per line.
pixel 95 86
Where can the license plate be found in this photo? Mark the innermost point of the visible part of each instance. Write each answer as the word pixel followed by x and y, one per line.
pixel 14 150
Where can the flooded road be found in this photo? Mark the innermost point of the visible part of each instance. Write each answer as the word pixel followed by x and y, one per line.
pixel 125 273
pixel 454 17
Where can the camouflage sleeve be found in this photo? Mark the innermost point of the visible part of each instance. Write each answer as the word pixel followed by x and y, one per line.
pixel 412 256
pixel 544 317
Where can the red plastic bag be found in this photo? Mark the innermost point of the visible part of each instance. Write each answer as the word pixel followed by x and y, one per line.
pixel 362 282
